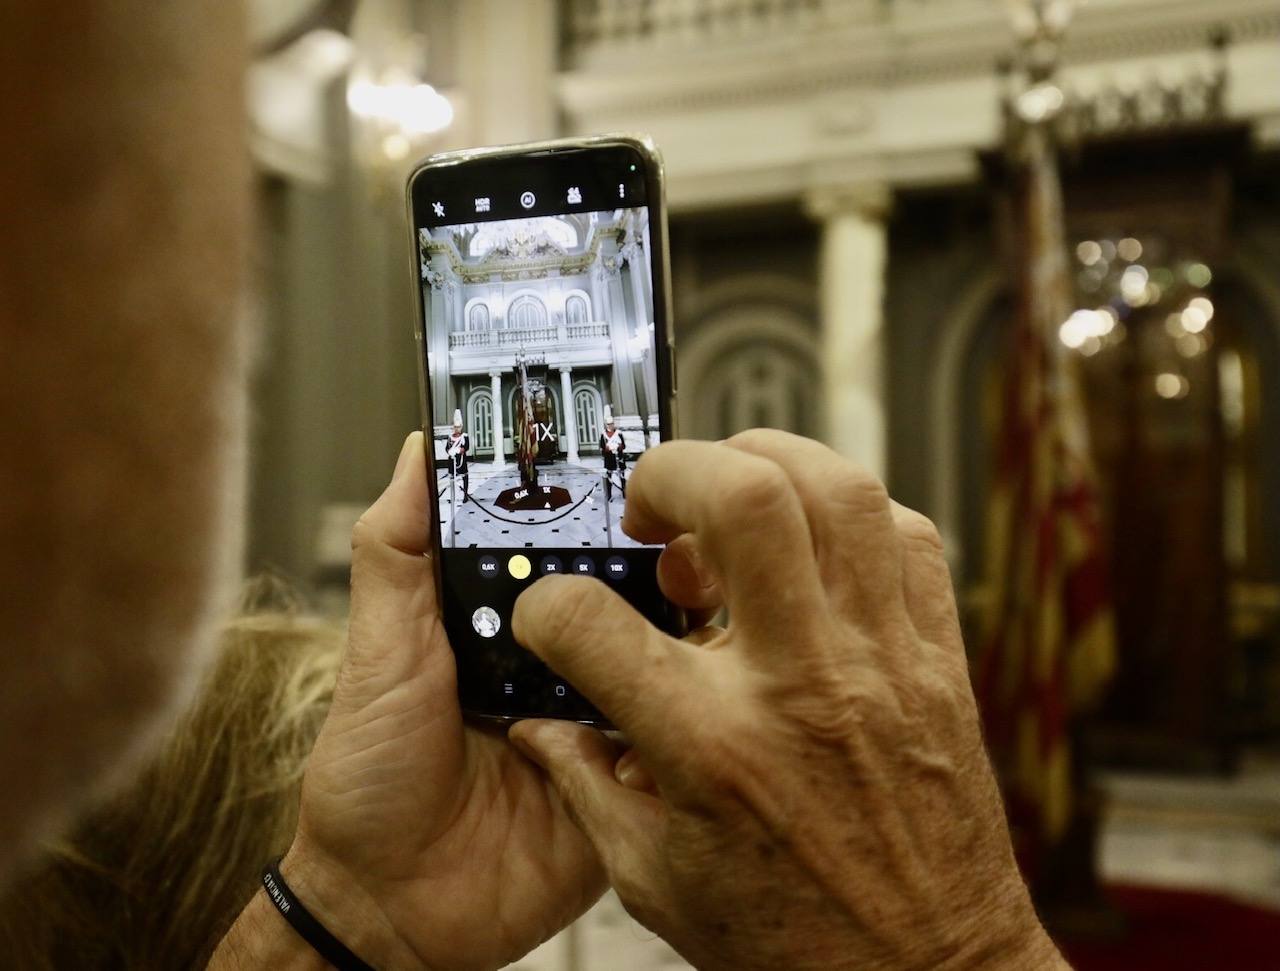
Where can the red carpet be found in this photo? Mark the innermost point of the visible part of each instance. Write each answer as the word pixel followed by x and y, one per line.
pixel 1179 930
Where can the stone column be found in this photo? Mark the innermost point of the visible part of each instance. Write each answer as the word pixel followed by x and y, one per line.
pixel 615 313
pixel 597 296
pixel 439 326
pixel 495 383
pixel 851 282
pixel 566 406
pixel 636 270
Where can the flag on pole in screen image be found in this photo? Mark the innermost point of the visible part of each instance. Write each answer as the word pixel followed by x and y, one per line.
pixel 525 429
pixel 1048 648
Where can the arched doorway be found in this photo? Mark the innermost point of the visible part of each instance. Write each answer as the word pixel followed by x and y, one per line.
pixel 480 422
pixel 1191 493
pixel 588 413
pixel 751 360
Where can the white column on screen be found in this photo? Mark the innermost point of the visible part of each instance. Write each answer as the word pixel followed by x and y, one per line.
pixel 636 271
pixel 439 326
pixel 495 383
pixel 559 316
pixel 597 296
pixel 619 335
pixel 852 269
pixel 570 425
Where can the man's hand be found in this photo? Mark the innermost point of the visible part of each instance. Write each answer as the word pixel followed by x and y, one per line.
pixel 421 843
pixel 812 789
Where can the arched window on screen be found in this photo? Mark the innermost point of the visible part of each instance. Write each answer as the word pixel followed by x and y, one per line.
pixel 575 309
pixel 478 317
pixel 527 312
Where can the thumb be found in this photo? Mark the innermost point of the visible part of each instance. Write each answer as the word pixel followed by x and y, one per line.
pixel 394 613
pixel 643 680
pixel 390 540
pixel 624 825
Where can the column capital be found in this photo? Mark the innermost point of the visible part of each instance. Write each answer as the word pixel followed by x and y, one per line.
pixel 564 368
pixel 496 372
pixel 871 200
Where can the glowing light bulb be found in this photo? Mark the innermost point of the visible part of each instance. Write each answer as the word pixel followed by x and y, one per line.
pixel 1170 385
pixel 1129 249
pixel 1194 320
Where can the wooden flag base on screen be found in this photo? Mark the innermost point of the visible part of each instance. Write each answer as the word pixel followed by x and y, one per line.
pixel 533 498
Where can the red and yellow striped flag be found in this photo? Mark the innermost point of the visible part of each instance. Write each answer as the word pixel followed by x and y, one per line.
pixel 1049 644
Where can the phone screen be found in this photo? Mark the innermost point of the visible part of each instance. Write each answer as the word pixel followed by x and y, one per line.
pixel 547 378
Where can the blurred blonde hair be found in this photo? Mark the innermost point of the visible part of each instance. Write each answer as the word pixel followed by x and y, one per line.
pixel 154 876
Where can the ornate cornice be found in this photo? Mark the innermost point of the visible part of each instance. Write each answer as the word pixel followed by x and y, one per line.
pixel 507 268
pixel 880 55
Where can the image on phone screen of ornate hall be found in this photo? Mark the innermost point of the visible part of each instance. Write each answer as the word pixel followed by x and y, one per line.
pixel 543 379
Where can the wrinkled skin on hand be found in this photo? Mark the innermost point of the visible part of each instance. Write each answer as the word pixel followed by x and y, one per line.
pixel 424 843
pixel 809 787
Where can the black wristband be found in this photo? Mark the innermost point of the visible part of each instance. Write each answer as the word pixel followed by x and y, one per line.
pixel 308 928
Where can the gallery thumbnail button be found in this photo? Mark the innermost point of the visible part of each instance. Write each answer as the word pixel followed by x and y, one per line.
pixel 615 567
pixel 488 566
pixel 519 567
pixel 584 565
pixel 551 564
pixel 486 622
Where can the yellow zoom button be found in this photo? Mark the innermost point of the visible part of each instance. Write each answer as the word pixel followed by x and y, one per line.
pixel 519 567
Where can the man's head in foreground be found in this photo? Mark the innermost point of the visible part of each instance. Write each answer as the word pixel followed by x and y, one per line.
pixel 121 382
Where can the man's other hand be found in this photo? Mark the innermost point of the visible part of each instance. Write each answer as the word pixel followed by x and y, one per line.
pixel 422 843
pixel 812 789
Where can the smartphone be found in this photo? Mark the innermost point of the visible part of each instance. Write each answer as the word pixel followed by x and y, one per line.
pixel 546 369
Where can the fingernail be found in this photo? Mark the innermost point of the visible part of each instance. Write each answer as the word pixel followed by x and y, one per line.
pixel 518 735
pixel 406 450
pixel 705 577
pixel 631 773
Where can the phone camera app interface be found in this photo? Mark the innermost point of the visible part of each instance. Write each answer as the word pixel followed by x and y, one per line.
pixel 541 357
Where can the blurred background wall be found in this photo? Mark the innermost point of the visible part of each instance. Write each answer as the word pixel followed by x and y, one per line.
pixel 843 267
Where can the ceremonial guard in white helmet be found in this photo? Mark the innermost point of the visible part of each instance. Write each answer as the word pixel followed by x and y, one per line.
pixel 457 448
pixel 614 449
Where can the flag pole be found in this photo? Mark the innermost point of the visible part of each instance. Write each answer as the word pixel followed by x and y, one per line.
pixel 1047 650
